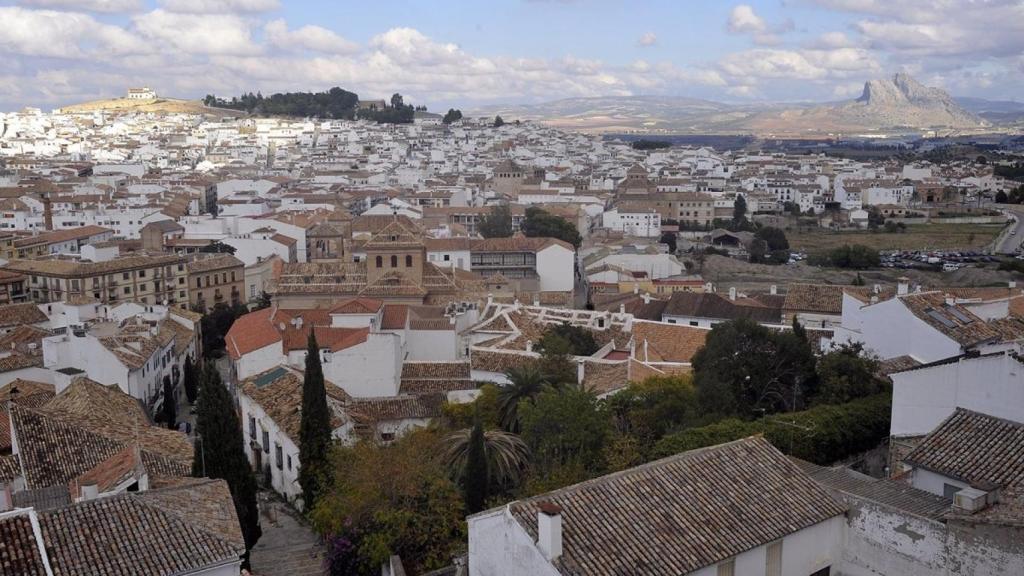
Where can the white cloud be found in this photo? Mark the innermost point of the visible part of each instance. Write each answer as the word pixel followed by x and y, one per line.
pixel 197 33
pixel 308 37
pixel 743 20
pixel 87 5
pixel 55 34
pixel 648 39
pixel 220 6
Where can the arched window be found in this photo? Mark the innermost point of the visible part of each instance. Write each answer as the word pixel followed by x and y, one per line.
pixel 394 261
pixel 408 261
pixel 380 261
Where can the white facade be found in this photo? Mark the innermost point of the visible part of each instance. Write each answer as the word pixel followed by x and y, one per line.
pixel 641 224
pixel 922 398
pixel 888 329
pixel 556 268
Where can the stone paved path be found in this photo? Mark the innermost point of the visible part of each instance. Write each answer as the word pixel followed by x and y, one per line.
pixel 288 547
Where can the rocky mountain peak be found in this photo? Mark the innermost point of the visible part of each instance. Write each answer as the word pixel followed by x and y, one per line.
pixel 903 100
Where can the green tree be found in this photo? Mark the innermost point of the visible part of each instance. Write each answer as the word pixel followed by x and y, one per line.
pixel 169 408
pixel 798 329
pixel 498 122
pixel 314 426
pixel 773 237
pixel 397 101
pixel 846 373
pixel 541 224
pixel 190 378
pixel 474 476
pixel 452 115
pixel 580 341
pixel 739 209
pixel 1001 197
pixel 218 247
pixel 646 411
pixel 745 368
pixel 221 453
pixel 485 406
pixel 856 257
pixel 565 427
pixel 391 500
pixel 669 238
pixel 525 382
pixel 497 224
pixel 215 325
pixel 555 363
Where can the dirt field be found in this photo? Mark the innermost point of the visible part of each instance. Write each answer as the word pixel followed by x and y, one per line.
pixel 916 237
pixel 725 272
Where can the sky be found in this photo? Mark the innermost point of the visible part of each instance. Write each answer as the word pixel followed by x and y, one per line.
pixel 444 53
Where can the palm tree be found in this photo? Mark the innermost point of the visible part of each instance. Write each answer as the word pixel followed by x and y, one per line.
pixel 506 455
pixel 526 381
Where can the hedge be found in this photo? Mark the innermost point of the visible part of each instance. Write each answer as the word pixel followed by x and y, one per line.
pixel 823 434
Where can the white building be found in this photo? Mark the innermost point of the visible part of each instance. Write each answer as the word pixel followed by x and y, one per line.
pixel 641 224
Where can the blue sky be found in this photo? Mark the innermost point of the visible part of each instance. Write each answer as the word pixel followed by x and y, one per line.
pixel 448 53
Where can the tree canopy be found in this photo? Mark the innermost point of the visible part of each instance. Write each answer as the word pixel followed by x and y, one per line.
pixel 451 116
pixel 334 103
pixel 497 224
pixel 314 425
pixel 539 223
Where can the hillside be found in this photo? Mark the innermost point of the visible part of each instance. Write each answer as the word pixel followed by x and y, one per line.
pixel 897 104
pixel 159 105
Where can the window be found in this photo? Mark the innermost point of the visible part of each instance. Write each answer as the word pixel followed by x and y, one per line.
pixel 124 276
pixel 127 289
pixel 199 282
pixel 142 287
pixel 252 427
pixel 447 257
pixel 289 462
pixel 380 261
pixel 394 261
pixel 232 275
pixel 142 273
pixel 266 442
pixel 823 572
pixel 727 568
pixel 693 322
pixel 408 261
pixel 773 560
pixel 278 457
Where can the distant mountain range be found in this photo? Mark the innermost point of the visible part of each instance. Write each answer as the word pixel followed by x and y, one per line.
pixel 892 105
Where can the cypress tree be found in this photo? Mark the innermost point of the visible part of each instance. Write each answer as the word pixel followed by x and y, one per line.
pixel 190 377
pixel 169 408
pixel 798 329
pixel 220 451
pixel 474 480
pixel 315 426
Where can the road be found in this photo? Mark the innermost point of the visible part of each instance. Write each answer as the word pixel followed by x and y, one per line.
pixel 1009 241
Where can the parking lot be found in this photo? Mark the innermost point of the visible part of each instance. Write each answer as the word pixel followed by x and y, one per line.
pixel 947 261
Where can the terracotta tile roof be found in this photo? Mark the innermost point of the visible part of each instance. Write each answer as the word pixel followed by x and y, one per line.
pixel 436 370
pixel 82 232
pixel 357 306
pixel 495 361
pixel 517 243
pixel 75 268
pixel 279 393
pixel 661 342
pixel 108 411
pixel 19 362
pixel 604 377
pixel 891 493
pixel 125 535
pixel 110 473
pixel 200 502
pixel 19 551
pixel 897 364
pixel 682 513
pixel 953 320
pixel 976 448
pixel 390 408
pixel 395 316
pixel 820 298
pixel 20 314
pixel 710 305
pixel 214 262
pixel 251 332
pixel 53 452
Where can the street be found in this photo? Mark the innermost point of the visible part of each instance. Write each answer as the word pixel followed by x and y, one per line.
pixel 1010 240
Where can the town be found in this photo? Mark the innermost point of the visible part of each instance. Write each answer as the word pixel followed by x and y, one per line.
pixel 482 346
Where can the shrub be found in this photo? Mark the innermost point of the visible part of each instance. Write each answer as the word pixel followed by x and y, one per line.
pixel 823 434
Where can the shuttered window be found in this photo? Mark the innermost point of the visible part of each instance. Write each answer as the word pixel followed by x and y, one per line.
pixel 773 561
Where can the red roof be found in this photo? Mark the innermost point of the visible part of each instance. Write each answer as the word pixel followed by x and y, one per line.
pixel 357 306
pixel 395 316
pixel 251 332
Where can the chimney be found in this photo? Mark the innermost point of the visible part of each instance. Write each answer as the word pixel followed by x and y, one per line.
pixel 1012 284
pixel 773 289
pixel 636 288
pixel 47 212
pixel 950 301
pixel 876 289
pixel 622 309
pixel 529 345
pixel 902 286
pixel 580 371
pixel 732 293
pixel 89 491
pixel 549 530
pixel 647 298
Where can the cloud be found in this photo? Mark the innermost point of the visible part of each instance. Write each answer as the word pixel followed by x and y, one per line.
pixel 55 34
pixel 751 66
pixel 743 20
pixel 87 5
pixel 197 33
pixel 220 6
pixel 648 39
pixel 314 38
